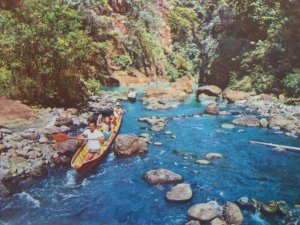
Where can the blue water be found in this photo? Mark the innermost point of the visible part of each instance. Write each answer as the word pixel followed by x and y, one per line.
pixel 117 194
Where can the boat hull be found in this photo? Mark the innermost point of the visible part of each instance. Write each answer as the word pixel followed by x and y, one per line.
pixel 82 166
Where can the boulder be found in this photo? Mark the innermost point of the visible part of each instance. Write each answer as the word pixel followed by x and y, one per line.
pixel 204 212
pixel 1 135
pixel 217 221
pixel 263 122
pixel 227 126
pixel 31 136
pixel 38 168
pixel 233 95
pixel 128 145
pixel 232 214
pixel 248 204
pixel 213 156
pixel 192 222
pixel 14 112
pixel 212 109
pixel 210 90
pixel 67 147
pixel 184 83
pixel 162 176
pixel 63 121
pixel 279 121
pixel 53 130
pixel 250 121
pixel 6 131
pixel 43 139
pixel 203 162
pixel 179 193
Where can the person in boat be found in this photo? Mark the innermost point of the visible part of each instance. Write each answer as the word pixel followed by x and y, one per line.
pixel 99 120
pixel 93 145
pixel 131 95
pixel 118 110
pixel 107 127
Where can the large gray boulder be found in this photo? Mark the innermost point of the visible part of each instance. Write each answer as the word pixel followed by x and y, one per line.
pixel 204 212
pixel 250 121
pixel 128 145
pixel 67 147
pixel 179 193
pixel 232 214
pixel 162 176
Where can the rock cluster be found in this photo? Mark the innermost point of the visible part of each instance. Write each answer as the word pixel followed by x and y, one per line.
pixel 156 123
pixel 166 98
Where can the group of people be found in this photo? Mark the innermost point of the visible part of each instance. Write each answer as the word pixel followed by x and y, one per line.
pixel 97 137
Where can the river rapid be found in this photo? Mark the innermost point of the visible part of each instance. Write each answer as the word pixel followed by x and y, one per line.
pixel 116 193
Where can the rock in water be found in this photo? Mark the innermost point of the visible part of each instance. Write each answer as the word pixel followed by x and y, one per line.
pixel 162 176
pixel 179 193
pixel 202 162
pixel 213 156
pixel 227 126
pixel 212 109
pixel 232 214
pixel 192 222
pixel 204 212
pixel 217 221
pixel 127 145
pixel 157 143
pixel 250 121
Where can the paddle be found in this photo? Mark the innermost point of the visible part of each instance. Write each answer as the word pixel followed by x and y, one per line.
pixel 60 137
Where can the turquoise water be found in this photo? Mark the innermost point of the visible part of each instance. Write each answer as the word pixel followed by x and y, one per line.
pixel 117 194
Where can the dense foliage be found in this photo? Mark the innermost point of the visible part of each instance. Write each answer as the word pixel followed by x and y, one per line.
pixel 45 55
pixel 57 52
pixel 273 30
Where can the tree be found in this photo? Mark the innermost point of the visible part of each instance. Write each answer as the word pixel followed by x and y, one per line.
pixel 45 53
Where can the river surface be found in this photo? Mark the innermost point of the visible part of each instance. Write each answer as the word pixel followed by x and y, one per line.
pixel 117 194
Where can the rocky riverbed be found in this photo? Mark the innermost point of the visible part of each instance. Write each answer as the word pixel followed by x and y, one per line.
pixel 262 110
pixel 168 156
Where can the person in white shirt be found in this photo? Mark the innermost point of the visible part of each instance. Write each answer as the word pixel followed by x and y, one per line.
pixel 95 144
pixel 118 110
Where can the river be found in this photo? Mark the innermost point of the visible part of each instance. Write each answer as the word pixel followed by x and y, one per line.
pixel 117 194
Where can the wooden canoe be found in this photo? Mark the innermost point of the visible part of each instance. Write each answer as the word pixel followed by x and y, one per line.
pixel 82 166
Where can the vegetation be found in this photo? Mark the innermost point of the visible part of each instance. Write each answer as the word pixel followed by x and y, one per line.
pixel 272 29
pixel 45 55
pixel 57 52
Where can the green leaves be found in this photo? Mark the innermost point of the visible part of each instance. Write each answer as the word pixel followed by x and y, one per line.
pixel 46 53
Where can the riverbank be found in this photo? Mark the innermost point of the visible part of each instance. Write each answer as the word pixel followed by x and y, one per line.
pixel 262 110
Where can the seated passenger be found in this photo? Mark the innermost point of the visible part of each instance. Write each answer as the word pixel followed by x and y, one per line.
pixel 106 128
pixel 118 110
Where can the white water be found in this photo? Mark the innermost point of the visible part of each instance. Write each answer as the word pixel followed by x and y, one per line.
pixel 257 218
pixel 28 197
pixel 71 178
